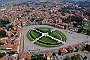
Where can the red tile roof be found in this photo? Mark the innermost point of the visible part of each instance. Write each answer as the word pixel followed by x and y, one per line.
pixel 3 58
pixel 70 47
pixel 15 48
pixel 17 42
pixel 8 32
pixel 63 50
pixel 6 46
pixel 24 55
pixel 79 47
pixel 48 54
pixel 13 58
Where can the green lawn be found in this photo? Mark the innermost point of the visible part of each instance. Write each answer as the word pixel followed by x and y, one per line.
pixel 86 22
pixel 82 32
pixel 35 34
pixel 43 45
pixel 55 35
pixel 48 40
pixel 44 29
pixel 87 27
pixel 28 36
pixel 62 35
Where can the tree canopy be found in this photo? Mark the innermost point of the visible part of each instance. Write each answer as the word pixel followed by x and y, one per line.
pixel 87 47
pixel 2 33
pixel 3 23
pixel 77 19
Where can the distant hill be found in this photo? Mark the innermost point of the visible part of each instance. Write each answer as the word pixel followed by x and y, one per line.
pixel 4 0
pixel 38 0
pixel 12 0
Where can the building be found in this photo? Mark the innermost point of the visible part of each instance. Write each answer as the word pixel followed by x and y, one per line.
pixel 71 48
pixel 63 51
pixel 24 56
pixel 79 47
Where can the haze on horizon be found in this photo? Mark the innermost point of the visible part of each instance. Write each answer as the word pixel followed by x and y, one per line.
pixel 39 0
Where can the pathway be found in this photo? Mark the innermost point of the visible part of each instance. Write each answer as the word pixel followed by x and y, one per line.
pixel 37 31
pixel 46 34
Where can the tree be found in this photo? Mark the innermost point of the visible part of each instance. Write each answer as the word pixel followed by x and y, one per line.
pixel 10 27
pixel 2 43
pixel 68 58
pixel 2 54
pixel 32 19
pixel 59 52
pixel 77 19
pixel 80 30
pixel 54 54
pixel 77 57
pixel 64 26
pixel 87 47
pixel 2 33
pixel 37 58
pixel 63 13
pixel 3 23
pixel 75 24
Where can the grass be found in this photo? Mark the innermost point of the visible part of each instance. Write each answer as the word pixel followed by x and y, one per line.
pixel 44 29
pixel 43 45
pixel 48 40
pixel 28 36
pixel 82 32
pixel 37 57
pixel 86 22
pixel 55 35
pixel 87 27
pixel 35 34
pixel 62 35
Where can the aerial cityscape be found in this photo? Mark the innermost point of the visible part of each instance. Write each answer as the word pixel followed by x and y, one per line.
pixel 44 29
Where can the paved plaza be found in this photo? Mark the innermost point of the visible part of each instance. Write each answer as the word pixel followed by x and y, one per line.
pixel 72 38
